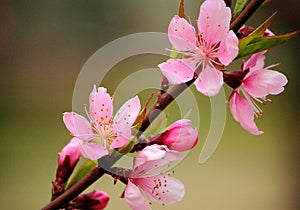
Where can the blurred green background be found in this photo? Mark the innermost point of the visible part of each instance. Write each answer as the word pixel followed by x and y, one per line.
pixel 43 46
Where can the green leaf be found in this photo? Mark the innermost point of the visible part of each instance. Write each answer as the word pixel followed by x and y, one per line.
pixel 264 43
pixel 140 118
pixel 84 169
pixel 181 9
pixel 239 6
pixel 157 126
pixel 264 26
pixel 258 32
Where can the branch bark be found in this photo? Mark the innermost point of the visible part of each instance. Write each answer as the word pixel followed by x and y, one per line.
pixel 75 190
pixel 245 14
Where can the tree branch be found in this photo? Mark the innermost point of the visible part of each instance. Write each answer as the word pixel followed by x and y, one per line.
pixel 75 190
pixel 161 104
pixel 245 14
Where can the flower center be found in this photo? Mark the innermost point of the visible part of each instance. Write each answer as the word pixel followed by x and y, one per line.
pixel 104 129
pixel 204 54
pixel 107 132
pixel 235 78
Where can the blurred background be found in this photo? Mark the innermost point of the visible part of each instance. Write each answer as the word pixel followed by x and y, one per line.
pixel 43 46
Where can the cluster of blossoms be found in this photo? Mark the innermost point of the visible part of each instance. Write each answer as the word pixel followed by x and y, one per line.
pixel 201 57
pixel 205 55
pixel 102 133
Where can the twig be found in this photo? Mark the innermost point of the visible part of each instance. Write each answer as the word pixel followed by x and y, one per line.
pixel 161 104
pixel 75 190
pixel 245 14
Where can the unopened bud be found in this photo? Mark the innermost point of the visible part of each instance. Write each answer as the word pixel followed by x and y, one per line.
pixel 68 159
pixel 95 200
pixel 180 136
pixel 246 30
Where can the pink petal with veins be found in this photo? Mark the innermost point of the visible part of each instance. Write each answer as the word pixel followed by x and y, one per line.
pixel 135 198
pixel 182 35
pixel 119 142
pixel 255 62
pixel 128 113
pixel 176 71
pixel 78 125
pixel 228 48
pixel 152 159
pixel 101 107
pixel 243 113
pixel 124 119
pixel 163 189
pixel 209 81
pixel 92 151
pixel 264 82
pixel 214 20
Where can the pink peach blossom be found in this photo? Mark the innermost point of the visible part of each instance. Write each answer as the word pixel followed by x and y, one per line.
pixel 147 184
pixel 103 132
pixel 215 44
pixel 257 83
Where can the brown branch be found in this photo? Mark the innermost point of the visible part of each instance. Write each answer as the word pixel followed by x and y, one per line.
pixel 75 190
pixel 245 14
pixel 164 101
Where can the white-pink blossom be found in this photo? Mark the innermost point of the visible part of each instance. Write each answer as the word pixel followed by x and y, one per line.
pixel 147 183
pixel 257 83
pixel 214 45
pixel 102 131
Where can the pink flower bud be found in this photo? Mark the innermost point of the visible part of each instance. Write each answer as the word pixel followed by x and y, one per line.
pixel 180 136
pixel 246 30
pixel 72 150
pixel 68 159
pixel 95 200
